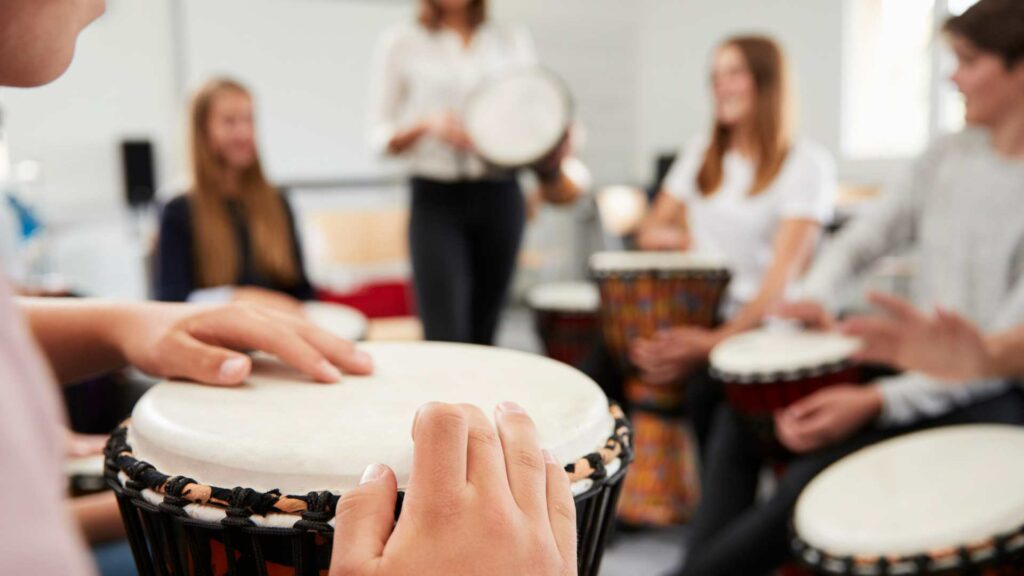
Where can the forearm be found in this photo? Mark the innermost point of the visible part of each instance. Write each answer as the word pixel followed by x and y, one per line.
pixel 99 517
pixel 403 140
pixel 1006 354
pixel 79 337
pixel 911 397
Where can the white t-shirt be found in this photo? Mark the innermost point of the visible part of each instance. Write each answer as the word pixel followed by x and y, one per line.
pixel 37 535
pixel 419 73
pixel 741 228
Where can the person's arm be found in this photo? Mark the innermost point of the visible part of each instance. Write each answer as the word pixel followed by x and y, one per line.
pixel 82 338
pixel 1006 353
pixel 793 250
pixel 303 289
pixel 664 226
pixel 387 95
pixel 943 344
pixel 174 265
pixel 99 517
pixel 884 228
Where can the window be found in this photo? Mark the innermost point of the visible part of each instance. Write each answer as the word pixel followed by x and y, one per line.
pixel 896 94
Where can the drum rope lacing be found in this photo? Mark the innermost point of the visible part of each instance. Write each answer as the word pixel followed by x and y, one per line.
pixel 996 548
pixel 315 509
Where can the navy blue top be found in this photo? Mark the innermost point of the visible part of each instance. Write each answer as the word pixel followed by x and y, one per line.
pixel 175 258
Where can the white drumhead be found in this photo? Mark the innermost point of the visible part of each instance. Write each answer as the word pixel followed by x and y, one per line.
pixel 565 296
pixel 519 118
pixel 932 490
pixel 281 431
pixel 642 261
pixel 343 321
pixel 765 352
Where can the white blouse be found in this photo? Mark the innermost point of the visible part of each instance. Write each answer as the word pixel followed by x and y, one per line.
pixel 419 73
pixel 741 228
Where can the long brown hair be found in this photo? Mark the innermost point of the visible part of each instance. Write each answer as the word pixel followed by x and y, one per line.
pixel 216 247
pixel 431 13
pixel 772 116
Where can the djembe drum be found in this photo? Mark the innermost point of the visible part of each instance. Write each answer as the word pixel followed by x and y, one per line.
pixel 641 294
pixel 245 480
pixel 764 371
pixel 943 502
pixel 567 320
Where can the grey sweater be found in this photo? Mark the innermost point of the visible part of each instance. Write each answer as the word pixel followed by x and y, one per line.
pixel 960 211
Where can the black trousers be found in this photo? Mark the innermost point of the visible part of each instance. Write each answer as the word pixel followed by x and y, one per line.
pixel 732 535
pixel 464 240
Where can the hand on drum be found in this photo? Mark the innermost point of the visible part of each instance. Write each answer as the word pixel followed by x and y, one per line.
pixel 808 312
pixel 663 238
pixel 944 344
pixel 478 503
pixel 672 354
pixel 827 417
pixel 448 127
pixel 204 343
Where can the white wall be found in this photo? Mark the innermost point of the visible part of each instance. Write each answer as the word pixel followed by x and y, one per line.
pixel 678 38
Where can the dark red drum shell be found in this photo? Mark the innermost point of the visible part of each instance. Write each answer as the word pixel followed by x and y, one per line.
pixel 568 336
pixel 756 399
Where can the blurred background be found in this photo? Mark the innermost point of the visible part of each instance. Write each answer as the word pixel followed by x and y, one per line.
pixel 86 162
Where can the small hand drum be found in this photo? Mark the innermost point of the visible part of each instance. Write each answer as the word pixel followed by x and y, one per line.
pixel 567 319
pixel 518 119
pixel 245 480
pixel 764 371
pixel 945 502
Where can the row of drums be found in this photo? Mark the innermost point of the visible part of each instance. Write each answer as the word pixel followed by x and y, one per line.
pixel 947 501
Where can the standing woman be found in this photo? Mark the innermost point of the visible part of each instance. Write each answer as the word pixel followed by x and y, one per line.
pixel 233 236
pixel 467 218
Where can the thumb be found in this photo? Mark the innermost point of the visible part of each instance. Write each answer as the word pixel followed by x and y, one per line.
pixel 364 521
pixel 186 357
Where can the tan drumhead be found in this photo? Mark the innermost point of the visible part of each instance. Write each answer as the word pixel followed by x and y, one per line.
pixel 923 492
pixel 565 297
pixel 282 431
pixel 775 351
pixel 517 119
pixel 609 262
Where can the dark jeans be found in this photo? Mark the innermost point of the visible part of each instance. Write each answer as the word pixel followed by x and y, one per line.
pixel 464 239
pixel 733 535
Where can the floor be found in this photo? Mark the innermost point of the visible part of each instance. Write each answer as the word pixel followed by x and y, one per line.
pixel 652 553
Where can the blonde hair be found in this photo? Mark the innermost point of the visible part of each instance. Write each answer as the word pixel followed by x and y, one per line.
pixel 215 243
pixel 773 117
pixel 431 13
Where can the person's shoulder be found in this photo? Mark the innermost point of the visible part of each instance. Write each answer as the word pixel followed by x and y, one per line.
pixel 401 34
pixel 967 141
pixel 178 208
pixel 505 31
pixel 811 154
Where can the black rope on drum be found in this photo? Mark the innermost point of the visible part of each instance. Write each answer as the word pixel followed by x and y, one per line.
pixel 315 509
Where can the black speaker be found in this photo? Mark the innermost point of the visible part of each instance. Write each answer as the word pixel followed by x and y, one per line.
pixel 139 172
